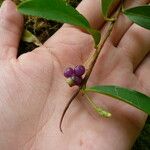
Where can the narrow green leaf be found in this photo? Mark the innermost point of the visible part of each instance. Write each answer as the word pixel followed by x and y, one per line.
pixel 139 15
pixel 134 98
pixel 106 5
pixel 96 35
pixel 57 10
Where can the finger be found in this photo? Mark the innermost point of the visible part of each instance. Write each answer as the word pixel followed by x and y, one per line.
pixel 11 23
pixel 73 39
pixel 91 10
pixel 143 72
pixel 135 44
pixel 123 23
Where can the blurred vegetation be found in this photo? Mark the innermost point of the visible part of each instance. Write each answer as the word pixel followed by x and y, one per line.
pixel 43 29
pixel 143 141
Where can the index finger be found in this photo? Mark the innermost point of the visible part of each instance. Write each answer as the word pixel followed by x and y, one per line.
pixel 91 10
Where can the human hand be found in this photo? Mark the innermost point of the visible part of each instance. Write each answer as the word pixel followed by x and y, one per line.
pixel 33 92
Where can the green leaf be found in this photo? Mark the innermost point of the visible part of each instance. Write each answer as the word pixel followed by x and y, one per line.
pixel 30 38
pixel 96 35
pixel 132 97
pixel 139 15
pixel 58 10
pixel 106 5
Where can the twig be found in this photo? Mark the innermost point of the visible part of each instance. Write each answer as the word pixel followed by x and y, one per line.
pixel 91 66
pixel 66 108
pixel 100 46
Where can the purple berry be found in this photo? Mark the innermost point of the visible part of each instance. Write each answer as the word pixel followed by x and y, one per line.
pixel 69 72
pixel 77 80
pixel 79 70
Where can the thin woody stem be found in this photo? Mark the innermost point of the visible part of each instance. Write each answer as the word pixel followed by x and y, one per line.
pixel 66 108
pixel 91 66
pixel 100 46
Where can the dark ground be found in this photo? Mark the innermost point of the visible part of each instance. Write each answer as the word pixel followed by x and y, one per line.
pixel 43 29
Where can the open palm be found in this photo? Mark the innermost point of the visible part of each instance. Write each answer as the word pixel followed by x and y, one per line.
pixel 33 92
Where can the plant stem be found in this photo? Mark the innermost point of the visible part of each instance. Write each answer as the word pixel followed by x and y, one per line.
pixel 99 110
pixel 66 108
pixel 100 46
pixel 90 101
pixel 110 19
pixel 91 66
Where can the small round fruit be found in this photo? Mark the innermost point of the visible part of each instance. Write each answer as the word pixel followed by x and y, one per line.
pixel 77 80
pixel 69 72
pixel 70 81
pixel 79 70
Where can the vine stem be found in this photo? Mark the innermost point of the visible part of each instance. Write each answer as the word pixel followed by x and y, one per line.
pixel 66 108
pixel 100 46
pixel 92 64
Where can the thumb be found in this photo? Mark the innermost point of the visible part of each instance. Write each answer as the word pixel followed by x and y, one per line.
pixel 11 24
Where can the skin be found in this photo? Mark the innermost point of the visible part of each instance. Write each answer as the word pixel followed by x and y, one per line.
pixel 33 92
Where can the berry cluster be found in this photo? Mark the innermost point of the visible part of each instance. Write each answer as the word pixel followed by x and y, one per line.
pixel 74 76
